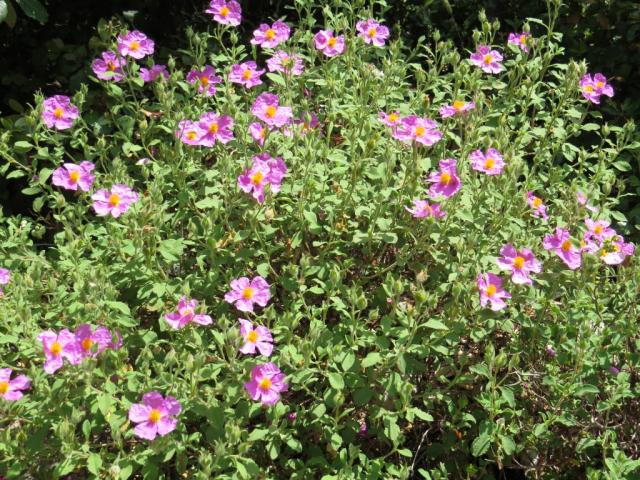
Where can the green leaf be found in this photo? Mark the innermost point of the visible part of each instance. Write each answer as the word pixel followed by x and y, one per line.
pixel 171 249
pixel 22 146
pixel 480 445
pixel 336 381
pixel 587 389
pixel 94 463
pixel 508 445
pixel 34 9
pixel 436 325
pixel 4 10
pixel 258 434
pixel 371 359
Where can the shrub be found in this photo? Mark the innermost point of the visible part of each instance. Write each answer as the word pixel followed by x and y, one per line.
pixel 418 290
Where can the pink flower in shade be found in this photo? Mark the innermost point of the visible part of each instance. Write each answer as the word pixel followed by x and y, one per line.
pixel 109 67
pixel 598 229
pixel 246 74
pixel 244 293
pixel 519 40
pixel 206 79
pixel 155 415
pixel 190 132
pixel 73 177
pixel 283 62
pixel 266 384
pixel 392 119
pixel 372 32
pixel 264 171
pixel 587 245
pixel 422 209
pixel 490 163
pixel 488 60
pixel 225 12
pixel 5 277
pixel 150 74
pixel 114 202
pixel 305 124
pixel 186 314
pixel 91 343
pixel 267 108
pixel 561 244
pixel 135 45
pixel 614 250
pixel 328 44
pixel 491 291
pixel 271 36
pixel 58 346
pixel 58 112
pixel 594 87
pixel 258 132
pixel 539 208
pixel 216 128
pixel 416 129
pixel 10 390
pixel 458 107
pixel 255 338
pixel 582 200
pixel 446 182
pixel 521 263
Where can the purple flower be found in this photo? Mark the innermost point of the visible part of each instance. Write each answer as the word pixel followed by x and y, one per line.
pixel 185 314
pixel 539 208
pixel 101 338
pixel 109 67
pixel 266 384
pixel 550 351
pixel 58 112
pixel 150 74
pixel 216 128
pixel 5 277
pixel 561 244
pixel 519 40
pixel 329 44
pixel 10 390
pixel 582 200
pixel 114 202
pixel 491 291
pixel 446 182
pixel 267 108
pixel 490 163
pixel 416 129
pixel 614 250
pixel 190 132
pixel 73 177
pixel 594 87
pixel 155 415
pixel 135 45
pixel 246 74
pixel 283 62
pixel 422 209
pixel 206 79
pixel 271 36
pixel 372 32
pixel 258 132
pixel 225 12
pixel 255 338
pixel 392 119
pixel 58 346
pixel 488 60
pixel 244 293
pixel 456 108
pixel 598 229
pixel 519 263
pixel 264 171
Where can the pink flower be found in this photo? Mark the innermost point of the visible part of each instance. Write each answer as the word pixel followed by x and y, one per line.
pixel 539 208
pixel 593 88
pixel 488 60
pixel 561 244
pixel 190 132
pixel 206 79
pixel 109 67
pixel 5 277
pixel 150 74
pixel 456 108
pixel 264 171
pixel 267 108
pixel 58 346
pixel 244 293
pixel 216 128
pixel 101 338
pixel 519 40
pixel 225 12
pixel 392 119
pixel 267 382
pixel 582 200
pixel 73 177
pixel 615 250
pixel 58 112
pixel 271 36
pixel 491 291
pixel 255 338
pixel 114 202
pixel 10 390
pixel 281 61
pixel 422 209
pixel 246 74
pixel 446 182
pixel 328 44
pixel 372 32
pixel 135 45
pixel 258 132
pixel 416 129
pixel 490 163
pixel 186 314
pixel 519 263
pixel 599 229
pixel 306 124
pixel 154 416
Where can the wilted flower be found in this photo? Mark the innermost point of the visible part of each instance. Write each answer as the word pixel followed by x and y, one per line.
pixel 490 163
pixel 73 177
pixel 150 74
pixel 551 351
pixel 446 182
pixel 539 208
pixel 519 40
pixel 267 108
pixel 206 79
pixel 421 130
pixel 561 244
pixel 246 74
pixel 58 346
pixel 185 314
pixel 225 12
pixel 255 338
pixel 10 390
pixel 456 108
pixel 244 293
pixel 215 128
pixel 328 44
pixel 135 45
pixel 286 63
pixel 422 209
pixel 58 112
pixel 488 60
pixel 109 67
pixel 594 87
pixel 520 263
pixel 271 36
pixel 114 202
pixel 491 291
pixel 372 32
pixel 266 384
pixel 582 200
pixel 155 415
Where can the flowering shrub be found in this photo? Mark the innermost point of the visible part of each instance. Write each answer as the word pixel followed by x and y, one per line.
pixel 410 261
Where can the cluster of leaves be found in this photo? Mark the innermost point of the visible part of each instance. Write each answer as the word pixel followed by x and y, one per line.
pixel 375 314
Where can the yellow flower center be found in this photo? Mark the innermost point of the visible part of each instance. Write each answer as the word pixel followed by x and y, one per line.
pixel 246 74
pixel 114 199
pixel 518 262
pixel 256 179
pixel 87 343
pixel 58 112
pixel 204 80
pixel 252 336
pixel 597 229
pixel 588 88
pixel 371 32
pixel 286 61
pixel 445 178
pixel 603 252
pixel 134 46
pixel 155 415
pixel 4 387
pixel 247 293
pixel 616 248
pixel 489 163
pixel 55 349
pixel 491 290
pixel 265 384
pixel 191 135
pixel 393 118
pixel 458 104
pixel 270 34
pixel 419 131
pixel 271 111
pixel 111 66
pixel 566 246
pixel 599 84
pixel 213 127
pixel 186 311
pixel 224 11
pixel 537 202
pixel 523 39
pixel 74 176
pixel 332 42
pixel 487 59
